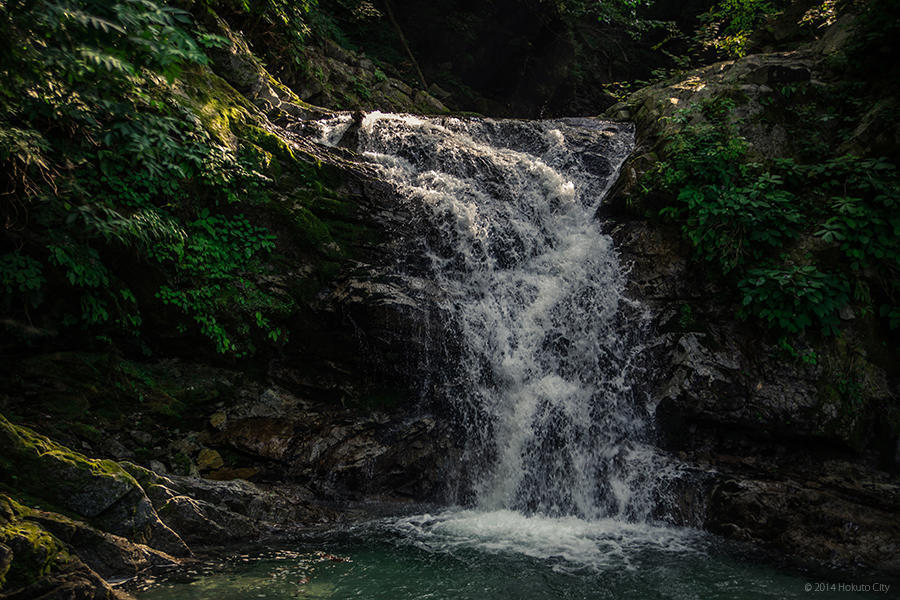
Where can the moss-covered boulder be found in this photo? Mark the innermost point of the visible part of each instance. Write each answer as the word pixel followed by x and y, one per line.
pixel 36 564
pixel 98 490
pixel 31 552
pixel 726 211
pixel 82 485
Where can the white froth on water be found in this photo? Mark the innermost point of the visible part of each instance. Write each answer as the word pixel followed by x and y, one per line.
pixel 571 542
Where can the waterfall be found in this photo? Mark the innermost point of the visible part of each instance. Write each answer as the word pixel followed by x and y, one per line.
pixel 549 348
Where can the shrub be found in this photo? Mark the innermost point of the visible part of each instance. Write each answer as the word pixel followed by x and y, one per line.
pixel 108 170
pixel 754 223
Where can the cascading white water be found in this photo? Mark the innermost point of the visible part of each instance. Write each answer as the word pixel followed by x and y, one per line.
pixel 549 346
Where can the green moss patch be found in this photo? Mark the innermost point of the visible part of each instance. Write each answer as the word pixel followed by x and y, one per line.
pixel 35 552
pixel 43 468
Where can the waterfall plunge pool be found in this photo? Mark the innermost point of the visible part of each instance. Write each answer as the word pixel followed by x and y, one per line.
pixel 483 555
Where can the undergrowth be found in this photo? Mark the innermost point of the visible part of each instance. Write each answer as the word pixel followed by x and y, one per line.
pixel 117 198
pixel 800 242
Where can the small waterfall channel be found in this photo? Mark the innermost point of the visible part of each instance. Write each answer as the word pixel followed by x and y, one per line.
pixel 549 348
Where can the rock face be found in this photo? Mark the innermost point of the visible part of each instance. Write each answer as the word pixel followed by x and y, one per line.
pixel 835 511
pixel 124 518
pixel 345 79
pixel 337 452
pixel 35 562
pixel 785 455
pixel 127 518
pixel 334 77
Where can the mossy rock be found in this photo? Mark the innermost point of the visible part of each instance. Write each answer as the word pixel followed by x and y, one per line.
pixel 100 491
pixel 29 461
pixel 36 563
pixel 219 107
pixel 32 552
pixel 266 140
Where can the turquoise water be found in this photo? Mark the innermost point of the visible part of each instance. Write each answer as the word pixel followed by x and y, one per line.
pixel 477 555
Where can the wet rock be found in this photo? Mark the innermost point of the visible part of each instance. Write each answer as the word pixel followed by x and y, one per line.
pixel 749 78
pixel 142 437
pixel 438 92
pixel 77 582
pixel 260 436
pixel 6 556
pixel 429 104
pixel 722 378
pixel 228 474
pixel 111 447
pixel 762 430
pixel 209 459
pixel 285 505
pixel 200 522
pixel 336 51
pixel 839 515
pixel 159 494
pixel 785 454
pixel 217 420
pixel 778 74
pixel 189 445
pixel 341 451
pixel 270 402
pixel 86 486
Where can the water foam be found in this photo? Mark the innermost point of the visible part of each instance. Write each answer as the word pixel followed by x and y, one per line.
pixel 569 543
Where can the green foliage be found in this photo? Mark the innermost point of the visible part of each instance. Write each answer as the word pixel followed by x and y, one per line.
pixel 732 224
pixel 727 26
pixel 279 29
pixel 754 223
pixel 806 356
pixel 21 274
pixel 111 177
pixel 733 212
pixel 685 316
pixel 865 225
pixel 211 277
pixel 795 297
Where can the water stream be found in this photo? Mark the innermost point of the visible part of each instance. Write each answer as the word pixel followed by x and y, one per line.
pixel 549 349
pixel 566 495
